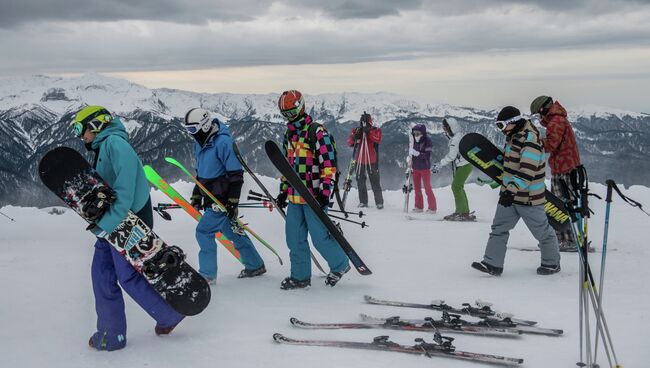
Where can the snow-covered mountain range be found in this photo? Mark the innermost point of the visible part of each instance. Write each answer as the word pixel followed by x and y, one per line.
pixel 35 112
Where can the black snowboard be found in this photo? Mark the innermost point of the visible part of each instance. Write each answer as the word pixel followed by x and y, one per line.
pixel 281 163
pixel 485 156
pixel 68 175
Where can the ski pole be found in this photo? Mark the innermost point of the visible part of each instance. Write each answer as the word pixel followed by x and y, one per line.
pixel 362 224
pixel 163 213
pixel 608 200
pixel 360 213
pixel 5 215
pixel 168 205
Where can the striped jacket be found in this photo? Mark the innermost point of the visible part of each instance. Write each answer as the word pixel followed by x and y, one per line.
pixel 315 162
pixel 524 167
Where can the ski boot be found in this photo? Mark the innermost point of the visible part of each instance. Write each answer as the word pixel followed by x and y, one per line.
pixel 487 268
pixel 104 341
pixel 362 205
pixel 290 283
pixel 380 206
pixel 548 269
pixel 334 277
pixel 161 331
pixel 431 212
pixel 417 210
pixel 252 273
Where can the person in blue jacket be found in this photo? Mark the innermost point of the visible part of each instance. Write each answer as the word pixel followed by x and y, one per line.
pixel 118 164
pixel 218 169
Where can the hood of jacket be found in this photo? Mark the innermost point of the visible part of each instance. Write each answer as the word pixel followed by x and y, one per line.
pixel 114 128
pixel 554 112
pixel 420 128
pixel 454 126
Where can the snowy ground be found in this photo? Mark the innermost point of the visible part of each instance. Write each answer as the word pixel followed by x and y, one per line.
pixel 47 311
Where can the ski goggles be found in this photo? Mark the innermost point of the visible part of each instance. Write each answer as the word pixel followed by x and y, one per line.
pixel 291 114
pixel 80 127
pixel 192 129
pixel 502 124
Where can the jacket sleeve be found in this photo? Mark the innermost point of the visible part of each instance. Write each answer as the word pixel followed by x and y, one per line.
pixel 374 135
pixel 124 162
pixel 326 161
pixel 453 151
pixel 234 170
pixel 351 137
pixel 554 134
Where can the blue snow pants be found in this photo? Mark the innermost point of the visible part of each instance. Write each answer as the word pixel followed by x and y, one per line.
pixel 108 268
pixel 301 220
pixel 212 222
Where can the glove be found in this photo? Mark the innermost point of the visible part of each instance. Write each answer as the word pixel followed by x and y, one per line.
pixel 506 198
pixel 357 134
pixel 413 152
pixel 281 200
pixel 366 129
pixel 196 200
pixel 435 168
pixel 324 201
pixel 97 231
pixel 232 208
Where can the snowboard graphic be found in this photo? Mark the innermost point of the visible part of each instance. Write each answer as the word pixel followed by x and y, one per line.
pixel 68 175
pixel 485 156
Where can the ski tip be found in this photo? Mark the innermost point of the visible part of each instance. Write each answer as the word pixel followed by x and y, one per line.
pixel 278 337
pixel 295 321
pixel 368 298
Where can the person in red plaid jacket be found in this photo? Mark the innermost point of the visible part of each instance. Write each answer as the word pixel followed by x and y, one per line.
pixel 310 150
pixel 560 143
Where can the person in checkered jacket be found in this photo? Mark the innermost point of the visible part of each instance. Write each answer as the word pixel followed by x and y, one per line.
pixel 310 150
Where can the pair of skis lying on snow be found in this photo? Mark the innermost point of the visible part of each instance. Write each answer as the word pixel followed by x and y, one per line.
pixel 491 324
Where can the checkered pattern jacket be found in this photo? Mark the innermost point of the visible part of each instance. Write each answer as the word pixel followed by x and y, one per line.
pixel 523 165
pixel 315 162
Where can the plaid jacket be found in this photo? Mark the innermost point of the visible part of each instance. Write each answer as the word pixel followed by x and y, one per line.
pixel 524 167
pixel 315 162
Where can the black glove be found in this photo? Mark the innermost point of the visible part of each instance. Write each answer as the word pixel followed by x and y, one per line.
pixel 366 129
pixel 232 208
pixel 506 198
pixel 323 201
pixel 357 134
pixel 197 202
pixel 281 200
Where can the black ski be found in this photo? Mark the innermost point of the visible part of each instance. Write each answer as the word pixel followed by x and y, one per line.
pixel 280 162
pixel 268 195
pixel 485 322
pixel 440 347
pixel 481 310
pixel 447 324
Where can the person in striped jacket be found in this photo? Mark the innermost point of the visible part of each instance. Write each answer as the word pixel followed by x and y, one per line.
pixel 310 150
pixel 522 195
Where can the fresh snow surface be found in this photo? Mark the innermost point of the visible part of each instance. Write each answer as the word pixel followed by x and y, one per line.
pixel 47 311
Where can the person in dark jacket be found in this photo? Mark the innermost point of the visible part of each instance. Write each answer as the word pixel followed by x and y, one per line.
pixel 118 164
pixel 522 196
pixel 560 143
pixel 218 169
pixel 367 138
pixel 421 165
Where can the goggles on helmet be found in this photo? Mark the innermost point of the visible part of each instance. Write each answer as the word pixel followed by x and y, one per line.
pixel 291 114
pixel 502 124
pixel 91 121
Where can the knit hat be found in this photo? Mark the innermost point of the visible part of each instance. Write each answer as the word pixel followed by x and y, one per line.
pixel 541 102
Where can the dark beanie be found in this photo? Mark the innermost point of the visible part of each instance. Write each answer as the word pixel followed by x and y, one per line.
pixel 508 113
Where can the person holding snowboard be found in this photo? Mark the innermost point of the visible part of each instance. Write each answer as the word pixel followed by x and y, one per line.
pixel 218 169
pixel 421 164
pixel 461 169
pixel 522 196
pixel 310 150
pixel 367 138
pixel 564 158
pixel 118 164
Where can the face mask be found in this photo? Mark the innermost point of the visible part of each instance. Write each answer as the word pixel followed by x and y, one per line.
pixel 417 138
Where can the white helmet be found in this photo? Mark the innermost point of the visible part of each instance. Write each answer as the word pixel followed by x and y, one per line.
pixel 196 120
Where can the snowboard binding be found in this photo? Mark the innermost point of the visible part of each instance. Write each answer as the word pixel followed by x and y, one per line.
pixel 97 202
pixel 170 257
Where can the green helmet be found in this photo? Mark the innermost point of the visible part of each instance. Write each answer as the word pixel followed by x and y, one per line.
pixel 541 102
pixel 93 118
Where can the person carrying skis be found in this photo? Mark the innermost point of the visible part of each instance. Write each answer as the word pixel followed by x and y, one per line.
pixel 367 138
pixel 461 169
pixel 310 150
pixel 118 164
pixel 218 169
pixel 421 163
pixel 564 158
pixel 522 195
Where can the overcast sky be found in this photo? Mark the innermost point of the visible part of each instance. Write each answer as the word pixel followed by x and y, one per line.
pixel 485 53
